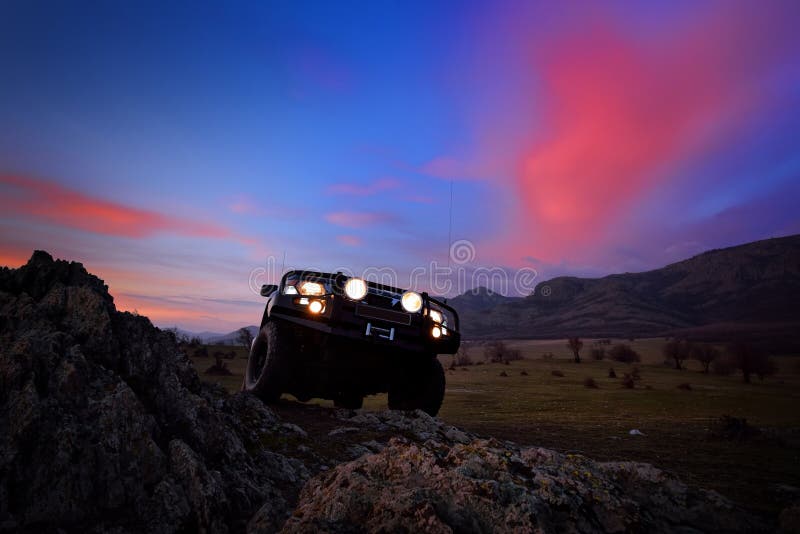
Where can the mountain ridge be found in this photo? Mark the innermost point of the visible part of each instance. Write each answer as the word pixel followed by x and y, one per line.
pixel 754 284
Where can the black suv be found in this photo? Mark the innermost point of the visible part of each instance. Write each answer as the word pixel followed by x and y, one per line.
pixel 330 336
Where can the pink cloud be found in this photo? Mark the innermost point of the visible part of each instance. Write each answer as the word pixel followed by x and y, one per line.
pixel 356 219
pixel 619 116
pixel 349 240
pixel 245 206
pixel 56 204
pixel 380 185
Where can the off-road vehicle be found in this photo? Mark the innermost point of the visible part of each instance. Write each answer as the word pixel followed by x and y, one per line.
pixel 327 335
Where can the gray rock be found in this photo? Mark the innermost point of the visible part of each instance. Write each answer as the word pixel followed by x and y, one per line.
pixel 343 430
pixel 486 486
pixel 105 424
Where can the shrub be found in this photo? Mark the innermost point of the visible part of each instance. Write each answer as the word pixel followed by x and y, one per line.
pixel 498 352
pixel 590 383
pixel 628 382
pixel 636 374
pixel 732 429
pixel 598 353
pixel 523 373
pixel 219 367
pixel 503 373
pixel 513 355
pixel 556 372
pixel 686 386
pixel 611 373
pixel 624 353
pixel 493 350
pixel 461 358
pixel 202 352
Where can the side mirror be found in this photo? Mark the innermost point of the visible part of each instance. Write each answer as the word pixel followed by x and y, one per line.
pixel 268 289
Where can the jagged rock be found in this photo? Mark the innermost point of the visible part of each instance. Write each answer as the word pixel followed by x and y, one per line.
pixel 486 486
pixel 105 425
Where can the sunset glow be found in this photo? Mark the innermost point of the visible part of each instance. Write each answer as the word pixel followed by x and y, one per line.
pixel 177 151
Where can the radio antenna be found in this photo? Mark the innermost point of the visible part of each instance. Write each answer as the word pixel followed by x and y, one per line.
pixel 283 265
pixel 450 227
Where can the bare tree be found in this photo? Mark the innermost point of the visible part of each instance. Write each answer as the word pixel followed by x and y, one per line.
pixel 244 337
pixel 461 358
pixel 575 345
pixel 678 351
pixel 624 353
pixel 750 360
pixel 705 354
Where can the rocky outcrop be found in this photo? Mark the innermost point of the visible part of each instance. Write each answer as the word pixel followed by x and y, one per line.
pixel 104 425
pixel 488 486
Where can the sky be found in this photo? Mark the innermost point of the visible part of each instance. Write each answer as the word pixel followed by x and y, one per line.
pixel 187 152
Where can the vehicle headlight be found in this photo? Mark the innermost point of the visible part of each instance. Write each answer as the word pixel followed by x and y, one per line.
pixel 355 288
pixel 313 289
pixel 412 301
pixel 436 315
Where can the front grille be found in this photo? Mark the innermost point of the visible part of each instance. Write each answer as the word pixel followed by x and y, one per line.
pixel 373 312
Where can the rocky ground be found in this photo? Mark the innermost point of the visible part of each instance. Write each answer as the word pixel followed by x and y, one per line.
pixel 105 426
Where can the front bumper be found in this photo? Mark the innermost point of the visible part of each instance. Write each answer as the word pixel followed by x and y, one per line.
pixel 359 322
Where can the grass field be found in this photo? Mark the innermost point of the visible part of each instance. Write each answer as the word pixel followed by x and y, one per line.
pixel 538 408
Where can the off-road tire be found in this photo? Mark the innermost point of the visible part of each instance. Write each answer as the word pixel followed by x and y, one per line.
pixel 267 373
pixel 420 386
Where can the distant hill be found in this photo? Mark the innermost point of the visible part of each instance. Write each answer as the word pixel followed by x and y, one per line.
pixel 205 337
pixel 231 338
pixel 479 300
pixel 751 289
pixel 214 338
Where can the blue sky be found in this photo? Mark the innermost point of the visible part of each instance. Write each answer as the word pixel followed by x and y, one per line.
pixel 179 145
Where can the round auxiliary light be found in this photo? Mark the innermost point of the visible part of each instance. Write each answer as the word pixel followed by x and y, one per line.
pixel 312 289
pixel 412 301
pixel 436 315
pixel 355 288
pixel 436 332
pixel 315 306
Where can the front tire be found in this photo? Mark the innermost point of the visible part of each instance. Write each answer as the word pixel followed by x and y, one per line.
pixel 267 373
pixel 419 387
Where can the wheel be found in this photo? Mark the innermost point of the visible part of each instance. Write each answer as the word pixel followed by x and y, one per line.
pixel 267 372
pixel 419 387
pixel 351 401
